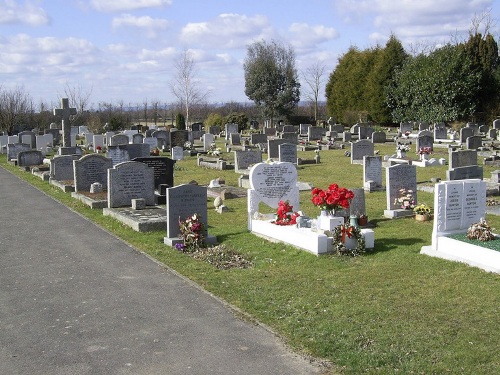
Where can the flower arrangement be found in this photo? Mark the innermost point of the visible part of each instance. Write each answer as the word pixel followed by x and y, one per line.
pixel 193 233
pixel 402 147
pixel 214 150
pixel 98 148
pixel 155 152
pixel 285 214
pixel 340 234
pixel 333 198
pixel 480 231
pixel 406 199
pixel 424 151
pixel 422 209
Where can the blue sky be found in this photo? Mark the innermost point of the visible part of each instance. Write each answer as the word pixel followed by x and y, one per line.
pixel 124 50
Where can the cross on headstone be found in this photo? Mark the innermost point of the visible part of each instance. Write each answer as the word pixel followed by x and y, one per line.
pixel 64 113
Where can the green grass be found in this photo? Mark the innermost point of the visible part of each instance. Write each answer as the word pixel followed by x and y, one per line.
pixel 390 311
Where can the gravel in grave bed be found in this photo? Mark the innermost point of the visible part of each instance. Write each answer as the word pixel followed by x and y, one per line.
pixel 492 245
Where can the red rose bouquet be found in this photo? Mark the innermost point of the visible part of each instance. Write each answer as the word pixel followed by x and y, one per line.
pixel 333 198
pixel 285 214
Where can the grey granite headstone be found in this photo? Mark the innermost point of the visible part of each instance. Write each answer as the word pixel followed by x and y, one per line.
pixel 474 142
pixel 137 150
pixel 400 176
pixel 29 158
pixel 464 173
pixel 358 205
pixel 163 169
pixel 61 167
pixel 243 160
pixel 272 147
pixel 361 148
pixel 119 139
pixel 315 133
pixel 230 129
pixel 466 133
pixel 162 137
pixel 178 138
pixel 118 154
pixel 379 137
pixel 182 202
pixel 89 169
pixel 137 138
pixel 290 137
pixel 207 139
pixel 303 128
pixel 130 180
pixel 13 149
pixel 177 153
pixel 235 139
pixel 256 138
pixel 288 153
pixel 372 171
pixel 462 158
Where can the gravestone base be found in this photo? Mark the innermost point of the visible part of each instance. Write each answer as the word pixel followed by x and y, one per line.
pixel 145 220
pixel 459 251
pixel 61 185
pixel 396 214
pixel 315 242
pixel 69 151
pixel 371 186
pixel 209 240
pixel 92 203
pixel 244 182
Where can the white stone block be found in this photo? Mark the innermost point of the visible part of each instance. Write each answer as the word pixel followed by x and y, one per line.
pixel 369 236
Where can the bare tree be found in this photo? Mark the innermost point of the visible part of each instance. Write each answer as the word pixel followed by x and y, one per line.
pixel 313 76
pixel 14 106
pixel 185 86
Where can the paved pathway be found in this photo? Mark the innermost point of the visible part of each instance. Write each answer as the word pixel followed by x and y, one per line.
pixel 76 300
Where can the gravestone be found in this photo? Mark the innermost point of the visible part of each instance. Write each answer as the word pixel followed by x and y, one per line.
pixel 462 158
pixel 496 124
pixel 118 154
pixel 13 139
pixel 287 153
pixel 130 180
pixel 360 149
pixel 303 129
pixel 339 128
pixel 56 136
pixel 425 139
pixel 270 132
pixel 440 131
pixel 89 169
pixel 43 142
pixel 235 139
pixel 89 138
pixel 288 129
pixel 372 173
pixel 270 184
pixel 61 167
pixel 399 176
pixel 466 133
pixel 178 138
pixel 243 160
pixel 405 127
pixel 137 150
pixel 197 127
pixel 207 139
pixel 13 150
pixel 4 139
pixel 474 142
pixel 379 137
pixel 29 158
pixel 358 204
pixel 256 138
pixel 272 147
pixel 108 136
pixel 214 129
pixel 182 202
pixel 119 139
pixel 457 205
pixel 346 137
pixel 464 173
pixel 28 137
pixel 163 138
pixel 64 113
pixel 290 137
pixel 177 153
pixel 152 142
pixel 230 129
pixel 483 129
pixel 423 126
pixel 98 141
pixel 492 134
pixel 137 138
pixel 315 133
pixel 163 168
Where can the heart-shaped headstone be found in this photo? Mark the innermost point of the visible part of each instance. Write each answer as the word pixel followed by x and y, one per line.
pixel 274 182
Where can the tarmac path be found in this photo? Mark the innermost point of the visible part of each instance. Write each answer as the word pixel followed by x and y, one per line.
pixel 74 299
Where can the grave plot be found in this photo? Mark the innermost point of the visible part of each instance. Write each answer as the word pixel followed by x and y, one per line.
pixel 276 182
pixel 457 205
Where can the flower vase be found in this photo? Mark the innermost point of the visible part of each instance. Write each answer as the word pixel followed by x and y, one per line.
pixel 401 154
pixel 327 220
pixel 422 217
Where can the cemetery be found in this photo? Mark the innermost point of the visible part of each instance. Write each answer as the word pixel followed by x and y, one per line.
pixel 149 192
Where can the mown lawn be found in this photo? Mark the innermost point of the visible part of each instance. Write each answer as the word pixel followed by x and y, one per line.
pixel 389 311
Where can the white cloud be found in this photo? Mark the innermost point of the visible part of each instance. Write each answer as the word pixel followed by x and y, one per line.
pixel 227 31
pixel 413 20
pixel 149 25
pixel 304 35
pixel 28 13
pixel 126 5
